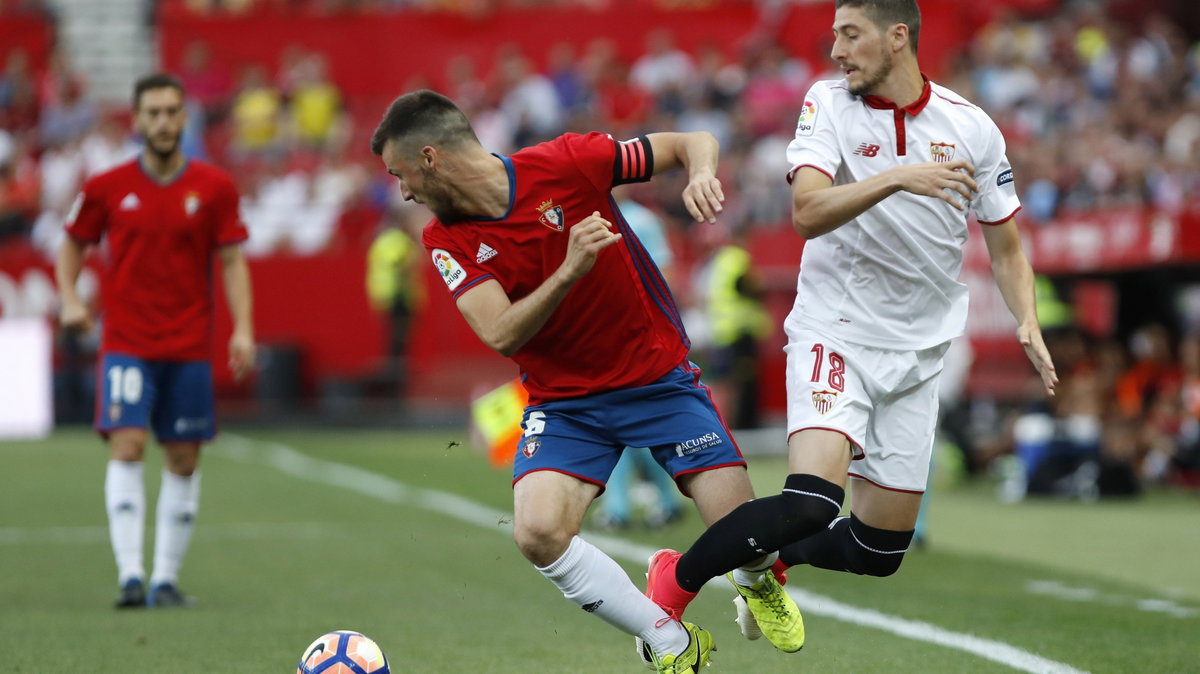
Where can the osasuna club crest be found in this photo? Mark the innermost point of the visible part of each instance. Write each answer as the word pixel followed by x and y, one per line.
pixel 942 152
pixel 191 203
pixel 551 215
pixel 824 400
pixel 531 447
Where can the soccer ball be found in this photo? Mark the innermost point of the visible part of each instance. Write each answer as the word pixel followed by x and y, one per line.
pixel 343 652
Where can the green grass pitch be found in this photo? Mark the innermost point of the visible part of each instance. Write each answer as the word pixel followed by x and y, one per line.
pixel 284 552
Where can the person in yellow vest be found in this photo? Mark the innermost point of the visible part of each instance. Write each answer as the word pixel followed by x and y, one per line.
pixel 393 286
pixel 738 321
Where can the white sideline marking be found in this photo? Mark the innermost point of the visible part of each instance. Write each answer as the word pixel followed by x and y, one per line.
pixel 1053 588
pixel 290 461
pixel 91 535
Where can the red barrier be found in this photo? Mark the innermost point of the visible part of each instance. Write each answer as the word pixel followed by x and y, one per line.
pixel 315 304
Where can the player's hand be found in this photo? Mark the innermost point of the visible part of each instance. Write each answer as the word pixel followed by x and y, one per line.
pixel 952 182
pixel 74 315
pixel 592 235
pixel 241 354
pixel 703 196
pixel 1035 348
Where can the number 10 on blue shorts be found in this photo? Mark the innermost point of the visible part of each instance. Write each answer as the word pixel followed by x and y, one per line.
pixel 174 398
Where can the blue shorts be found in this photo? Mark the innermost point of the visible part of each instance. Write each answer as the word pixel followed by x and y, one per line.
pixel 175 398
pixel 583 437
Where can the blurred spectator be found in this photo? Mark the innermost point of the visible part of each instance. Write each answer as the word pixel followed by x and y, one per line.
pixel 19 187
pixel 464 82
pixel 530 101
pixel 110 143
pixel 662 70
pixel 1186 462
pixel 255 114
pixel 1153 371
pixel 623 108
pixel 774 86
pixel 565 74
pixel 68 115
pixel 316 104
pixel 18 94
pixel 205 83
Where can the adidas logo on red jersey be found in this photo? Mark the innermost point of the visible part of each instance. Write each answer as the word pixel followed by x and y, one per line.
pixel 485 253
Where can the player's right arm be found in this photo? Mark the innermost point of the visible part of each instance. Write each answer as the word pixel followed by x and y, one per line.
pixel 819 208
pixel 815 154
pixel 73 313
pixel 505 325
pixel 85 225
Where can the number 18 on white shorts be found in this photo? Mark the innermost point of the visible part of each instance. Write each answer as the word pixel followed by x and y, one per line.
pixel 885 402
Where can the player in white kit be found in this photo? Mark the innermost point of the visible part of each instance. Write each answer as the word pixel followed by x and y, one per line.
pixel 886 168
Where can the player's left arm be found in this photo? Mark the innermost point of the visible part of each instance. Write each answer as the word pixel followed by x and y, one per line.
pixel 1014 277
pixel 696 151
pixel 236 274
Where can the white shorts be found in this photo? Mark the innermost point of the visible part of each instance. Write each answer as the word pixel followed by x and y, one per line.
pixel 885 402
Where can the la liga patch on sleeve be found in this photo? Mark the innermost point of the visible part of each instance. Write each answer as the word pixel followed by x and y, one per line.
pixel 808 118
pixel 452 272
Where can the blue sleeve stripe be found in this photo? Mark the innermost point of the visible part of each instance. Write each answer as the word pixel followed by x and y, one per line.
pixel 472 284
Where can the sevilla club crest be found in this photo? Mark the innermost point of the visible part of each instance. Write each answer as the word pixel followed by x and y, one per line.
pixel 824 400
pixel 942 152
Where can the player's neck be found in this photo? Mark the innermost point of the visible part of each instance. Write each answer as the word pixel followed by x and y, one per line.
pixel 484 185
pixel 905 84
pixel 163 168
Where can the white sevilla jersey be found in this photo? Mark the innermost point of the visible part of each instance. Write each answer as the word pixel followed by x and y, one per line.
pixel 889 278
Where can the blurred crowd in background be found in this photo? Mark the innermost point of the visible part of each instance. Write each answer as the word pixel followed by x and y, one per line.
pixel 1097 113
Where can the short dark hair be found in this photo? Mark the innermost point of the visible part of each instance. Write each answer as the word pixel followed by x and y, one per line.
pixel 887 13
pixel 155 81
pixel 425 117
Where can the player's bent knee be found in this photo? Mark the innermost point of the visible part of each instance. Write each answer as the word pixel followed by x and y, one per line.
pixel 806 505
pixel 541 545
pixel 877 552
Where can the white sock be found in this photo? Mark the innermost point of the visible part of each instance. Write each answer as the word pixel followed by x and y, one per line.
pixel 125 501
pixel 598 585
pixel 178 501
pixel 752 573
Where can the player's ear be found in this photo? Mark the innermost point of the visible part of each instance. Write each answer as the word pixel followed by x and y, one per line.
pixel 898 36
pixel 429 156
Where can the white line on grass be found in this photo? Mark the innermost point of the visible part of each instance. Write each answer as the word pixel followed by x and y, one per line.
pixel 292 462
pixel 1053 588
pixel 94 535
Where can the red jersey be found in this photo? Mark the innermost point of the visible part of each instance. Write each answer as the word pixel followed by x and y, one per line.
pixel 156 287
pixel 618 326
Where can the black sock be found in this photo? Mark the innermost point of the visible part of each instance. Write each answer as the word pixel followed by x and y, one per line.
pixel 850 545
pixel 806 505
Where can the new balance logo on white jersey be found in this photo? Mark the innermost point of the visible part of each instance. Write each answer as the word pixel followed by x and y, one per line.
pixel 130 202
pixel 485 253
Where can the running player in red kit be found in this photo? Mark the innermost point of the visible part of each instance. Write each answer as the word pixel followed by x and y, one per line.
pixel 546 271
pixel 163 217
